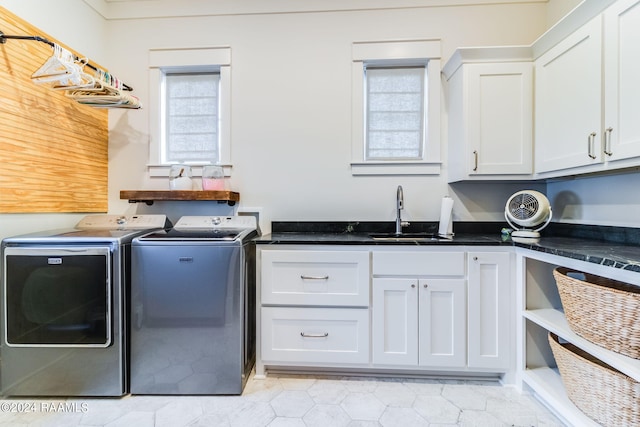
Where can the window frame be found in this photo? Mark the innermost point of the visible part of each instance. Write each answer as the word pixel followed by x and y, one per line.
pixel 397 54
pixel 207 59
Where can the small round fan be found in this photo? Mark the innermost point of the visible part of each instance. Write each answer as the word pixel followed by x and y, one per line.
pixel 528 209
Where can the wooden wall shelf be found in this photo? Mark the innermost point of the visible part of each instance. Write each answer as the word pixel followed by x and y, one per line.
pixel 150 196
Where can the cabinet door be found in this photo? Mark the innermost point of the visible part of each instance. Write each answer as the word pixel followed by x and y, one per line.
pixel 622 85
pixel 500 118
pixel 489 309
pixel 442 317
pixel 568 107
pixel 395 321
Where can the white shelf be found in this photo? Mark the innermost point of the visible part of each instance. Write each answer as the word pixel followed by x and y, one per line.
pixel 554 320
pixel 547 384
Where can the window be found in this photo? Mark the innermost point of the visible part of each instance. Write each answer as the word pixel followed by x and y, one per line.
pixel 191 113
pixel 396 108
pixel 190 105
pixel 394 113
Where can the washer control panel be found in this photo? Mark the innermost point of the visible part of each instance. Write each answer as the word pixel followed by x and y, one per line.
pixel 200 222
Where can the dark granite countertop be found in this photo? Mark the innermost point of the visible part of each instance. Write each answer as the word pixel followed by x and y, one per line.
pixel 611 254
pixel 617 247
pixel 360 233
pixel 317 238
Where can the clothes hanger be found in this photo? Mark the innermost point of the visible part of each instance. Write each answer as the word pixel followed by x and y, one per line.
pixel 60 66
pixel 85 80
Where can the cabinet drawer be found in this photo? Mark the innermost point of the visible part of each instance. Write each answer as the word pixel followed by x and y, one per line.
pixel 418 263
pixel 317 335
pixel 315 278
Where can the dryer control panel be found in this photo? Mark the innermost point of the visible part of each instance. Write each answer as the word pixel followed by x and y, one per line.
pixel 122 222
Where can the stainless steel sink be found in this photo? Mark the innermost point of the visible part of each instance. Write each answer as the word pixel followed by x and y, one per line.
pixel 410 237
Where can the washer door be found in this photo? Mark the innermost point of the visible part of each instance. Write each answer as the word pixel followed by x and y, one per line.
pixel 59 297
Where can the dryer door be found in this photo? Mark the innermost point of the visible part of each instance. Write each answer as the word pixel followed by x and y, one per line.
pixel 57 296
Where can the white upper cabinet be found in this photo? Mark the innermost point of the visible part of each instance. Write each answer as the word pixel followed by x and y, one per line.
pixel 490 114
pixel 587 96
pixel 622 80
pixel 568 108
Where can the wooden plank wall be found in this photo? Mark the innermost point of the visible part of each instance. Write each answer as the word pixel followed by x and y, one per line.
pixel 53 151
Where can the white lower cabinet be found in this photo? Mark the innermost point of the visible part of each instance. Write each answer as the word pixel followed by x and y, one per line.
pixel 490 310
pixel 313 307
pixel 418 308
pixel 419 322
pixel 385 308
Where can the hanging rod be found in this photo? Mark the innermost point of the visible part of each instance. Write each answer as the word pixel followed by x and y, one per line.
pixel 4 37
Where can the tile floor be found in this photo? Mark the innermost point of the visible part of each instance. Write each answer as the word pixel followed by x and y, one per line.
pixel 298 401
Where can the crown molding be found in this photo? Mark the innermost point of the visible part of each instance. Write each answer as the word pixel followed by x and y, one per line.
pixel 141 9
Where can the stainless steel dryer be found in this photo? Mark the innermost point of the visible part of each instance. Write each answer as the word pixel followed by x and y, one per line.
pixel 65 307
pixel 193 307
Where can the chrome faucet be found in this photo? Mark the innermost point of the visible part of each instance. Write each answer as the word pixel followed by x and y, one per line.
pixel 399 206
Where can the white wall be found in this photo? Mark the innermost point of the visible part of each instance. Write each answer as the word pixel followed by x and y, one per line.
pixel 291 111
pixel 78 26
pixel 291 107
pixel 604 200
pixel 71 22
pixel 559 8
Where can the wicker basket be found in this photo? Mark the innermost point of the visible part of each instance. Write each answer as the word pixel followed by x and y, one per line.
pixel 601 310
pixel 601 392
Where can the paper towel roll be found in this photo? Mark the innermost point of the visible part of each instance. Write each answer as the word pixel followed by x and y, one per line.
pixel 446 220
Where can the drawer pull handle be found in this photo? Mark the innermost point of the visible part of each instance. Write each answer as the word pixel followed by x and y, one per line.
pixel 303 277
pixel 302 334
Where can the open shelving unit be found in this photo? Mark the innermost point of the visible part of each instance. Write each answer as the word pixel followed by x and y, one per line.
pixel 150 196
pixel 542 313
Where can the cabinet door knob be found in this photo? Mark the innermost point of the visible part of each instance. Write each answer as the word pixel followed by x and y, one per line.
pixel 426 286
pixel 475 258
pixel 413 285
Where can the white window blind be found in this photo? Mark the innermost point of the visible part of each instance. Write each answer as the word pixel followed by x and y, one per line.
pixel 192 117
pixel 395 118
